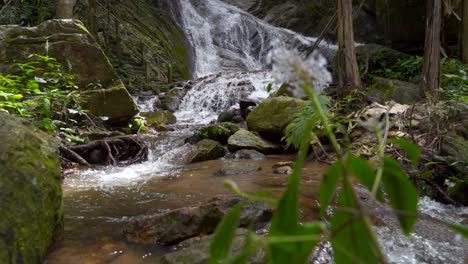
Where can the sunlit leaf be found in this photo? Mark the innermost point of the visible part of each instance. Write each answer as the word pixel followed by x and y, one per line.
pixel 414 153
pixel 224 234
pixel 75 139
pixel 328 185
pixel 402 194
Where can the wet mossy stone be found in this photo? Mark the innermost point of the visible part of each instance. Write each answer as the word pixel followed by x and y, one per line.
pixel 115 105
pixel 271 117
pixel 207 150
pixel 218 132
pixel 156 119
pixel 383 90
pixel 31 216
pixel 244 139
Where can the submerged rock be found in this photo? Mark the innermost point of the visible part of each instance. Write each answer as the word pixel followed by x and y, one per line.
pixel 206 149
pixel 244 139
pixel 198 250
pixel 73 46
pixel 249 154
pixel 31 215
pixel 218 132
pixel 271 117
pixel 233 168
pixel 177 225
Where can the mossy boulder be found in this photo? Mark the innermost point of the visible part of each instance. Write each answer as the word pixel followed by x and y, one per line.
pixel 377 58
pixel 76 50
pixel 244 139
pixel 115 104
pixel 206 149
pixel 384 90
pixel 31 216
pixel 271 117
pixel 160 118
pixel 218 132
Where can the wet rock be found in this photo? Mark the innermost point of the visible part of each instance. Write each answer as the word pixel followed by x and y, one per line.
pixel 30 192
pixel 231 115
pixel 171 100
pixel 71 44
pixel 177 225
pixel 198 250
pixel 160 118
pixel 246 107
pixel 97 135
pixel 219 132
pixel 244 139
pixel 233 168
pixel 206 149
pixel 383 90
pixel 283 170
pixel 249 154
pixel 271 117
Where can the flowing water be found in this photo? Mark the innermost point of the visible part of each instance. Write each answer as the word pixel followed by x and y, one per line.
pixel 232 54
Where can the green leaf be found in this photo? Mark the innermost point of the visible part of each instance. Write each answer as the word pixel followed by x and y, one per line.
pixel 352 237
pixel 463 230
pixel 224 235
pixel 75 139
pixel 328 185
pixel 414 153
pixel 364 172
pixel 285 220
pixel 402 194
pixel 68 130
pixel 47 125
pixel 32 85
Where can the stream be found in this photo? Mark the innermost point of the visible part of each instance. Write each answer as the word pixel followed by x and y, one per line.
pixel 231 61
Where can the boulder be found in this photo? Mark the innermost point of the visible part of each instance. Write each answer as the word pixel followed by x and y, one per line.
pixel 71 44
pixel 206 149
pixel 271 117
pixel 233 168
pixel 180 224
pixel 171 100
pixel 244 139
pixel 383 90
pixel 249 154
pixel 30 192
pixel 157 119
pixel 103 103
pixel 377 57
pixel 246 106
pixel 219 132
pixel 231 115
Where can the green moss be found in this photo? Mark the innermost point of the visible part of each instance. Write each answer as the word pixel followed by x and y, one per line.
pixel 160 118
pixel 30 192
pixel 271 117
pixel 218 132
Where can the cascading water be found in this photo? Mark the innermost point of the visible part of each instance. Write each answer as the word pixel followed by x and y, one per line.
pixel 234 52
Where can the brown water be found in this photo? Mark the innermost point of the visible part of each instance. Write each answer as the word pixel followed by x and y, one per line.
pixel 96 211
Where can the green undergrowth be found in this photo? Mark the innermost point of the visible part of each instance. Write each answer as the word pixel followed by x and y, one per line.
pixel 41 90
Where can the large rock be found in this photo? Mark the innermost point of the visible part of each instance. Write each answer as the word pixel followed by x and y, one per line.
pixel 383 90
pixel 159 118
pixel 71 44
pixel 206 149
pixel 177 225
pixel 271 117
pixel 376 57
pixel 218 132
pixel 244 139
pixel 31 215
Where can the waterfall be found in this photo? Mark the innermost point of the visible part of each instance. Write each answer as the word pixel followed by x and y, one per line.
pixel 232 57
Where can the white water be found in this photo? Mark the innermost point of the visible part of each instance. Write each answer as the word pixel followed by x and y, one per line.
pixel 227 39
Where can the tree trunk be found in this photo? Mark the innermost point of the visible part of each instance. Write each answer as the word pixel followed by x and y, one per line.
pixel 65 8
pixel 431 70
pixel 465 32
pixel 348 73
